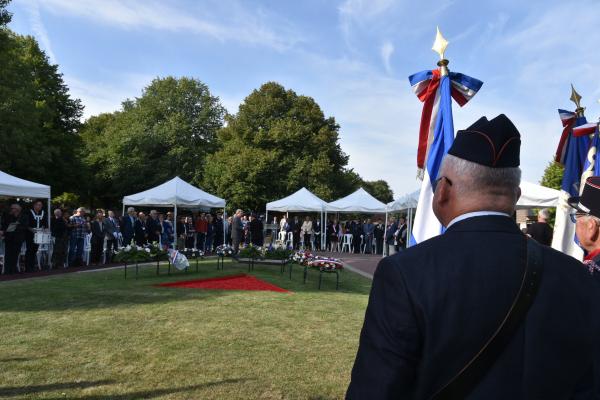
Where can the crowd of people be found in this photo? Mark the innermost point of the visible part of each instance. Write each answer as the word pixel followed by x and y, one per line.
pixel 367 236
pixel 104 231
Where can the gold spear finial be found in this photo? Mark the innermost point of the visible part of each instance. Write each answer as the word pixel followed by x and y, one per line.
pixel 439 46
pixel 576 98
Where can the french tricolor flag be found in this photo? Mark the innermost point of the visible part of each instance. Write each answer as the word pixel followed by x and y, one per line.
pixel 436 135
pixel 571 153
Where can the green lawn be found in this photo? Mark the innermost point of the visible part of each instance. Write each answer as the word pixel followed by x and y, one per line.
pixel 98 336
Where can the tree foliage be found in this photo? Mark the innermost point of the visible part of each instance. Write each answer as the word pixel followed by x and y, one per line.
pixel 379 189
pixel 553 175
pixel 166 132
pixel 277 143
pixel 38 118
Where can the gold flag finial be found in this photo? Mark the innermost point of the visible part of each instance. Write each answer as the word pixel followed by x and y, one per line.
pixel 439 46
pixel 576 98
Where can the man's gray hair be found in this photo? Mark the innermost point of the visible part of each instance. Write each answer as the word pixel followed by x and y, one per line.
pixel 130 209
pixel 482 179
pixel 544 213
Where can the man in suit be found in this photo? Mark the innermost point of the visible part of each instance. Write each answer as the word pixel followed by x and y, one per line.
pixel 128 226
pixel 153 227
pixel 389 237
pixel 433 307
pixel 37 220
pixel 541 230
pixel 587 222
pixel 401 234
pixel 111 231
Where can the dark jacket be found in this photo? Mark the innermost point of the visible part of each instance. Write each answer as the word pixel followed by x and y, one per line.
pixel 97 230
pixel 433 306
pixel 389 233
pixel 153 229
pixel 58 228
pixel 541 232
pixel 127 228
pixel 237 228
pixel 21 230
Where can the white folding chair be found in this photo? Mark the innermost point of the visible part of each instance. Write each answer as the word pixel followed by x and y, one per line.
pixel 347 243
pixel 282 236
pixel 290 240
pixel 87 248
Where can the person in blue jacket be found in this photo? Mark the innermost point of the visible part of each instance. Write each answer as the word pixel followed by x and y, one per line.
pixel 434 306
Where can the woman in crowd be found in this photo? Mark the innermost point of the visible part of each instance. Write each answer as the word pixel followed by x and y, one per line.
pixel 334 232
pixel 379 234
pixel 190 233
pixel 306 231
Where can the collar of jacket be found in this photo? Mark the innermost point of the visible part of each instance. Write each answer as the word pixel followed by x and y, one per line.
pixel 492 223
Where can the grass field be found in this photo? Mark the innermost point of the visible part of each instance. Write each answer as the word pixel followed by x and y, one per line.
pixel 98 336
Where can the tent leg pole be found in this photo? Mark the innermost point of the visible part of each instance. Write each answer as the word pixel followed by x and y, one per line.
pixel 175 226
pixel 224 219
pixel 384 234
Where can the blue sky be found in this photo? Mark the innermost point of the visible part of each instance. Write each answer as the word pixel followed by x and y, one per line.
pixel 352 56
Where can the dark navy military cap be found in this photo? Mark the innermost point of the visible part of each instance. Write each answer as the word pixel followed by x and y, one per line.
pixel 589 201
pixel 495 143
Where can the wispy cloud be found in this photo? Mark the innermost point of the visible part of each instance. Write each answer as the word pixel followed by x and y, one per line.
pixel 37 26
pixel 387 49
pixel 238 24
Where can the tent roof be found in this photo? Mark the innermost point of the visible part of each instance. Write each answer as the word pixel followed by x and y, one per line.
pixel 534 196
pixel 405 202
pixel 174 192
pixel 359 201
pixel 17 187
pixel 302 200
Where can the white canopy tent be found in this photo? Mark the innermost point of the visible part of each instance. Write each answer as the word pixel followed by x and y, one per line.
pixel 532 196
pixel 360 201
pixel 301 201
pixel 11 186
pixel 174 193
pixel 537 196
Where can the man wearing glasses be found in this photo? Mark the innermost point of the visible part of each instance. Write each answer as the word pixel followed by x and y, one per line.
pixel 587 220
pixel 481 311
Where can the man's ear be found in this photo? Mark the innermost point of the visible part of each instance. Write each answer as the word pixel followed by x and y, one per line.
pixel 442 192
pixel 518 194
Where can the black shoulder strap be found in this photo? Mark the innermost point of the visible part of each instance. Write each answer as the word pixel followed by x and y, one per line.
pixel 476 369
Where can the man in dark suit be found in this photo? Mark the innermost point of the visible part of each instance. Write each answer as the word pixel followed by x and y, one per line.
pixel 389 237
pixel 153 227
pixel 128 226
pixel 433 307
pixel 111 231
pixel 541 230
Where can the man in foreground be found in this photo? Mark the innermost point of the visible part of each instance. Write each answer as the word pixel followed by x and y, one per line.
pixel 587 220
pixel 435 307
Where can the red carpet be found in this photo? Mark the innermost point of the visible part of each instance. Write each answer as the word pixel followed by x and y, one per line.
pixel 231 282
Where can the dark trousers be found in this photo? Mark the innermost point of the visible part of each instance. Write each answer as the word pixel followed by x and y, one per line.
pixel 112 245
pixel 189 242
pixel 379 245
pixel 59 252
pixel 306 240
pixel 236 242
pixel 96 251
pixel 317 242
pixel 76 251
pixel 200 239
pixel 12 251
pixel 30 254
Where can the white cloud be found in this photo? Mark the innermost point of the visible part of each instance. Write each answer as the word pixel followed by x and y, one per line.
pixel 37 26
pixel 237 24
pixel 387 49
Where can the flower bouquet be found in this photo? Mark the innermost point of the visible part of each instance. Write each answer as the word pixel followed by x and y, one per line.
pixel 133 254
pixel 276 253
pixel 326 264
pixel 157 253
pixel 251 251
pixel 224 251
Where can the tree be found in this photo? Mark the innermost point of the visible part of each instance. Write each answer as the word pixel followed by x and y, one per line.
pixel 5 16
pixel 277 143
pixel 168 131
pixel 553 175
pixel 379 189
pixel 38 118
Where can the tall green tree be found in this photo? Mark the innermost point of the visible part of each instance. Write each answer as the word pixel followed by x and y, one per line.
pixel 379 189
pixel 38 118
pixel 277 143
pixel 168 131
pixel 553 175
